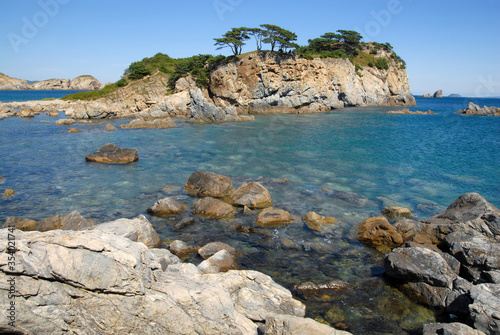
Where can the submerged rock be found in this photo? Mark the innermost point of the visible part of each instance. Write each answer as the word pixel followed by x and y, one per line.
pixel 273 217
pixel 252 195
pixel 212 248
pixel 154 123
pixel 213 208
pixel 65 122
pixel 110 127
pixel 407 111
pixel 314 221
pixel 209 184
pixel 397 213
pixel 8 193
pixel 111 153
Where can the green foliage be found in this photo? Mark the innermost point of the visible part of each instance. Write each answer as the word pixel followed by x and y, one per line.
pixel 138 70
pixel 147 66
pixel 279 38
pixel 122 82
pixel 233 39
pixel 382 64
pixel 258 34
pixel 370 64
pixel 373 52
pixel 92 95
pixel 198 66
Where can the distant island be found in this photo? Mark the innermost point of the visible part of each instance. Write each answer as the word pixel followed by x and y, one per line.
pixel 81 83
pixel 454 95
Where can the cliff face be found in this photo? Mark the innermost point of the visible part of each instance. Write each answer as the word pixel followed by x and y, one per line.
pixel 266 83
pixel 8 83
pixel 83 83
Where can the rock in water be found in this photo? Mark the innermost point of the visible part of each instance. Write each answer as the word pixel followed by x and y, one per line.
pixel 209 184
pixel 110 127
pixel 252 195
pixel 65 122
pixel 377 231
pixel 397 213
pixel 438 94
pixel 314 221
pixel 273 217
pixel 213 208
pixel 212 248
pixel 111 153
pixel 166 206
pixel 156 123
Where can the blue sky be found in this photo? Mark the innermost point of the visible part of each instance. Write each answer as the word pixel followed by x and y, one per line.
pixel 449 45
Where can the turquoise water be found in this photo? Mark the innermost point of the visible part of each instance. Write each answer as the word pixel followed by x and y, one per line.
pixel 26 95
pixel 423 162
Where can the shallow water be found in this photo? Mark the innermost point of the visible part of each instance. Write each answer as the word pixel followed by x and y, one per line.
pixel 422 162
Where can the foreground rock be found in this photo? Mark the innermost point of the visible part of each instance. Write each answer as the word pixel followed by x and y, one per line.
pixel 464 280
pixel 252 195
pixel 92 282
pixel 156 123
pixel 450 329
pixel 111 153
pixel 213 208
pixel 166 206
pixel 209 184
pixel 473 109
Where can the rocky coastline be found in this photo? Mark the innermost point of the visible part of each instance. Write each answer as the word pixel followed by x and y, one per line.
pixel 257 83
pixel 448 262
pixel 473 109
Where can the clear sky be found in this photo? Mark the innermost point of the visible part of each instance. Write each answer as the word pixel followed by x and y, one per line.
pixel 453 45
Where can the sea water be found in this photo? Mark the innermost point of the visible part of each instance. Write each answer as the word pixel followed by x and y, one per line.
pixel 371 158
pixel 26 95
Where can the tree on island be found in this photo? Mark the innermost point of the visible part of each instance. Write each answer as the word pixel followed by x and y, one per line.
pixel 347 40
pixel 258 34
pixel 233 39
pixel 279 37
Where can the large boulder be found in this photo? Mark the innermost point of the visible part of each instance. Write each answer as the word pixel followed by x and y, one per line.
pixel 485 310
pixel 213 208
pixel 377 231
pixel 273 217
pixel 110 153
pixel 138 229
pixel 475 212
pixel 209 184
pixel 166 206
pixel 252 195
pixel 91 282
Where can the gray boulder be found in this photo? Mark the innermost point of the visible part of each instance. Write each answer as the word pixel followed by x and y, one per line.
pixel 209 184
pixel 166 206
pixel 474 212
pixel 289 325
pixel 252 195
pixel 485 310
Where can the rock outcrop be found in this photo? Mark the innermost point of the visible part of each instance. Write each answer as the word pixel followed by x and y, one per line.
pixel 81 83
pixel 96 282
pixel 473 109
pixel 438 94
pixel 265 82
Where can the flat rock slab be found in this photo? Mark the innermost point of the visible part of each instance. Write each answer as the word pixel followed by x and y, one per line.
pixel 111 153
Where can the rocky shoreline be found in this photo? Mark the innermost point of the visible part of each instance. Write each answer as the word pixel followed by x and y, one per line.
pixel 448 262
pixel 81 83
